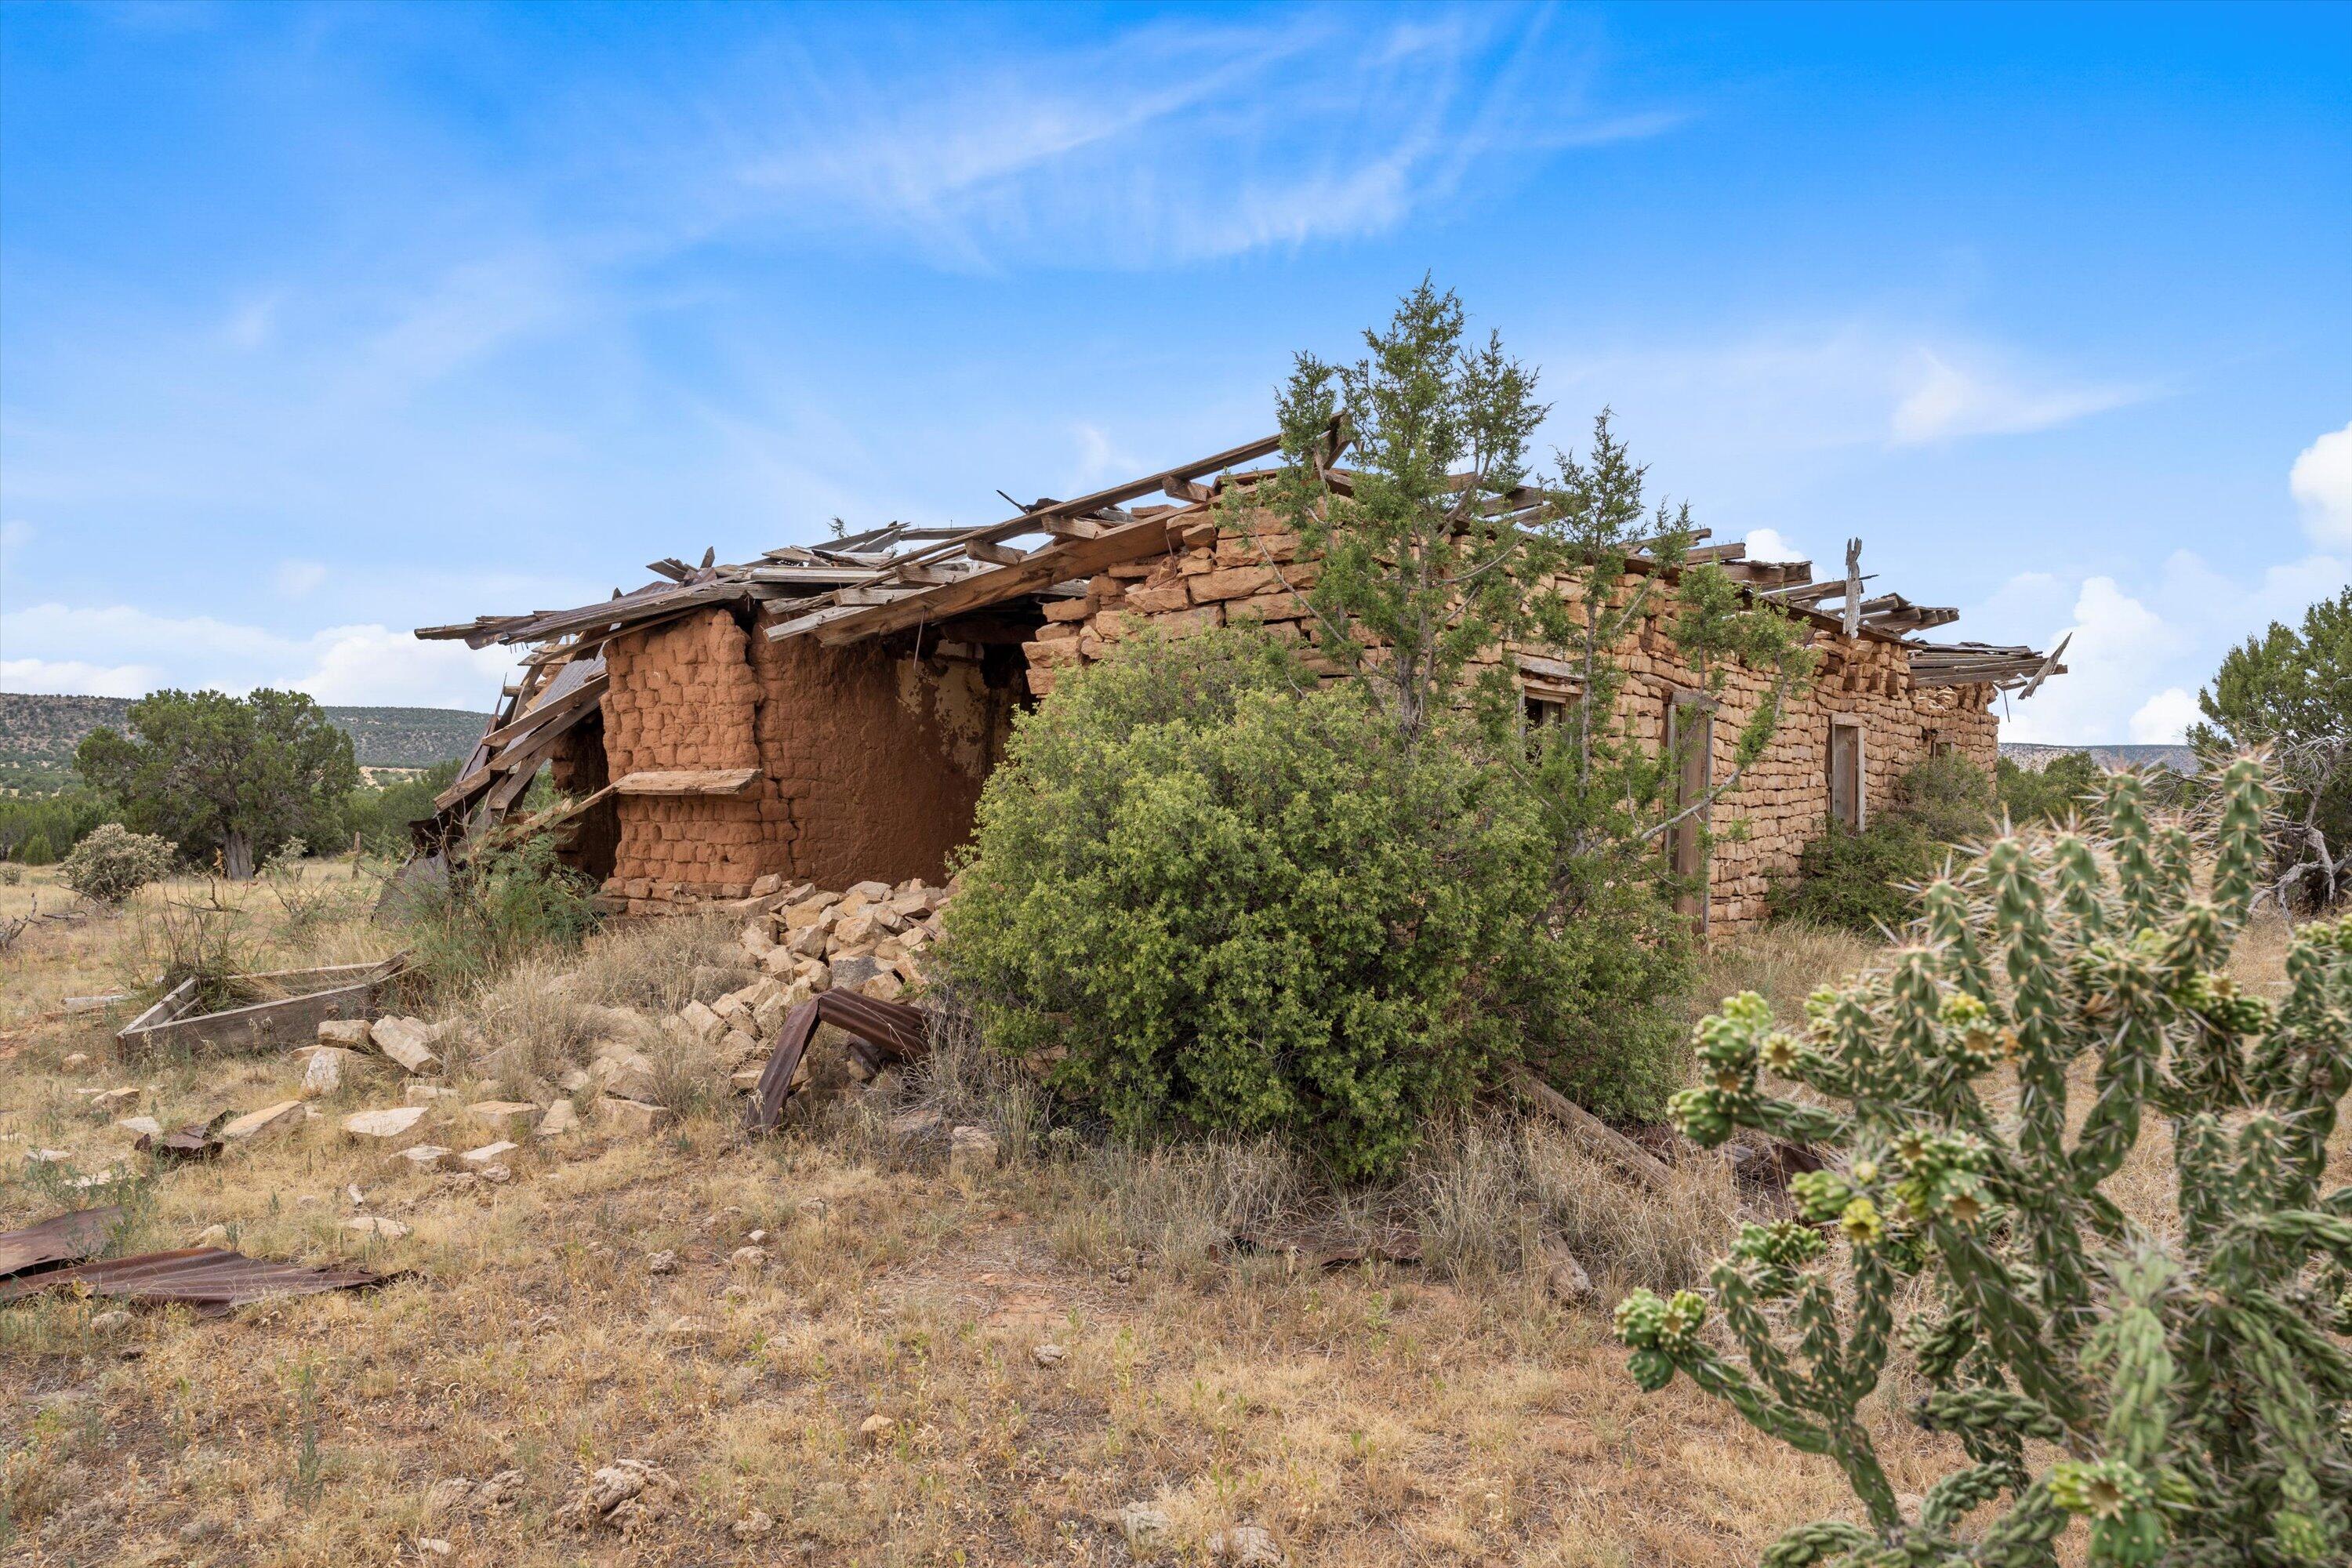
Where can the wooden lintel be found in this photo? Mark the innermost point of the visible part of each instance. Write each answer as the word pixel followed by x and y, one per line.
pixel 674 782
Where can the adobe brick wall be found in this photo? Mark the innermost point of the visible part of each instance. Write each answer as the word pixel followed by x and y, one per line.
pixel 1226 577
pixel 870 763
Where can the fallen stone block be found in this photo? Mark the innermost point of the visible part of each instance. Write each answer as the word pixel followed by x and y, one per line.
pixel 409 1042
pixel 426 1093
pixel 376 1226
pixel 425 1156
pixel 507 1113
pixel 350 1034
pixel 392 1122
pixel 561 1119
pixel 488 1153
pixel 324 1072
pixel 632 1115
pixel 269 1118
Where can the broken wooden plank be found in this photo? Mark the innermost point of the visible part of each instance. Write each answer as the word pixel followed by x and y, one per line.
pixel 1597 1136
pixel 684 781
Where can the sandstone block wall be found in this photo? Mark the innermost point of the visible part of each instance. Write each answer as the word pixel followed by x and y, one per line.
pixel 870 761
pixel 1225 577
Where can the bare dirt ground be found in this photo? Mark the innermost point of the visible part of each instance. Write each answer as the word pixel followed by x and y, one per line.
pixel 864 1386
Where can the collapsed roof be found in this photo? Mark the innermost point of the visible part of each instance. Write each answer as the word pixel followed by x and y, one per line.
pixel 891 579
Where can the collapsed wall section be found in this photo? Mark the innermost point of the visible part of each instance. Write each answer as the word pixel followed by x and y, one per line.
pixel 1252 573
pixel 869 759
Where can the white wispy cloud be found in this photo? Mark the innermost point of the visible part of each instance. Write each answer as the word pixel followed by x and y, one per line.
pixel 1944 397
pixel 2321 481
pixel 1236 138
pixel 121 651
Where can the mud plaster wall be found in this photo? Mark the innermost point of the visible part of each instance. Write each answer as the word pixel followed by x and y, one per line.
pixel 870 761
pixel 1243 577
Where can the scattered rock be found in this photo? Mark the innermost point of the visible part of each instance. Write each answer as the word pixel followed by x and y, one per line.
pixel 408 1041
pixel 876 1430
pixel 76 1059
pixel 753 1526
pixel 350 1034
pixel 1048 1355
pixel 212 1235
pixel 623 1073
pixel 970 1148
pixel 850 972
pixel 430 1546
pixel 663 1262
pixel 144 1126
pixel 1245 1546
pixel 746 1080
pixel 427 1093
pixel 748 1260
pixel 425 1156
pixel 487 1154
pixel 633 1115
pixel 508 1113
pixel 109 1323
pixel 376 1226
pixel 1564 1277
pixel 496 1173
pixel 392 1122
pixel 706 1025
pixel 1146 1528
pixel 500 1490
pixel 269 1119
pixel 324 1075
pixel 113 1100
pixel 624 1494
pixel 560 1120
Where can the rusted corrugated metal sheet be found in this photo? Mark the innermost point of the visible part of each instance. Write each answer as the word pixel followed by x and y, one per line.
pixel 898 1032
pixel 64 1238
pixel 212 1279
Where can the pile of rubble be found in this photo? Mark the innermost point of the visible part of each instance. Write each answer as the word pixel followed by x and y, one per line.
pixel 870 939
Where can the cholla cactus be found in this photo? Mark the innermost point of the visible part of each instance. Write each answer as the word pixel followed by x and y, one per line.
pixel 2190 1395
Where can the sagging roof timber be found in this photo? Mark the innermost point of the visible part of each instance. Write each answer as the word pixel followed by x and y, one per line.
pixel 870 585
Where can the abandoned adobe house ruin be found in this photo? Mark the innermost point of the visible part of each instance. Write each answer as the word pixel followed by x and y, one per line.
pixel 828 713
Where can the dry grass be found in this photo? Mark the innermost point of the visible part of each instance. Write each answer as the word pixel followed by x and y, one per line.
pixel 1372 1415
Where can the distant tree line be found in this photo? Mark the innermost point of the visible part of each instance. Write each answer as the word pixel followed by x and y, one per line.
pixel 228 780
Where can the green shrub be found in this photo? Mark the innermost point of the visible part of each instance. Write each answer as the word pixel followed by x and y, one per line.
pixel 496 908
pixel 37 850
pixel 1868 881
pixel 1218 903
pixel 2189 1365
pixel 112 863
pixel 2052 792
pixel 11 874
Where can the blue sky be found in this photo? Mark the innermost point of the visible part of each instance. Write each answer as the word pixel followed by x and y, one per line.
pixel 318 324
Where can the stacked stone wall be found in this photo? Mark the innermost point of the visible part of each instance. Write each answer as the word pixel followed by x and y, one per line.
pixel 1253 575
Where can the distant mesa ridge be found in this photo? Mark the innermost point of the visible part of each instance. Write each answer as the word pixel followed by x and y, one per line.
pixel 38 733
pixel 2035 756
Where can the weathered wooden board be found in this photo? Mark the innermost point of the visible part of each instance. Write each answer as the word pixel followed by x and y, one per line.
pixel 714 781
pixel 338 991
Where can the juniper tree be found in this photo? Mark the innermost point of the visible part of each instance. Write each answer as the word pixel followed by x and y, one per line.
pixel 1442 551
pixel 2186 1394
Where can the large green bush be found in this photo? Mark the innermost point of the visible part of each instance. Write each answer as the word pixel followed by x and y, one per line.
pixel 1218 902
pixel 1869 880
